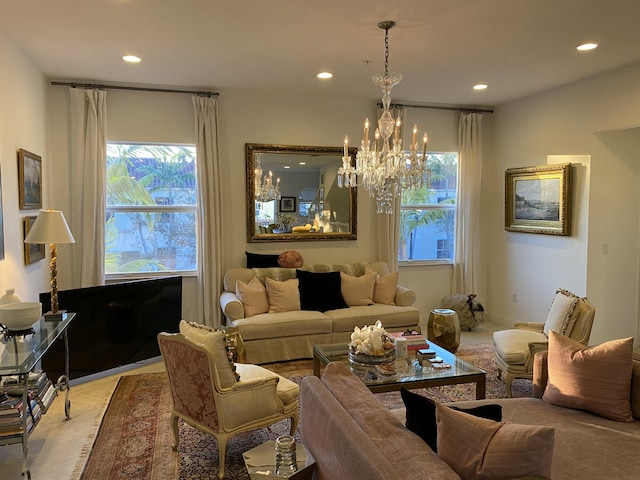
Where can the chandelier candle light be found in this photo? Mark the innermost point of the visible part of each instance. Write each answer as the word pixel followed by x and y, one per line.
pixel 385 169
pixel 265 189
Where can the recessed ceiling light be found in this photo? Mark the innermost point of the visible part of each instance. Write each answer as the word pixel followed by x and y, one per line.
pixel 587 46
pixel 302 163
pixel 481 86
pixel 325 75
pixel 287 166
pixel 131 59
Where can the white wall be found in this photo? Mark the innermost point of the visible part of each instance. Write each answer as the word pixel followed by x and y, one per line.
pixel 595 119
pixel 22 125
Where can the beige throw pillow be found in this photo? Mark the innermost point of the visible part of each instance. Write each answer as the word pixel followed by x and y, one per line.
pixel 253 297
pixel 283 296
pixel 481 449
pixel 357 290
pixel 562 313
pixel 384 290
pixel 597 379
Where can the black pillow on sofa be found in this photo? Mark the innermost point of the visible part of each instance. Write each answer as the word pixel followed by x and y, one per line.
pixel 320 291
pixel 262 260
pixel 421 415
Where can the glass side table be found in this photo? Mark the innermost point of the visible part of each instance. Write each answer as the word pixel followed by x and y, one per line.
pixel 19 357
pixel 261 462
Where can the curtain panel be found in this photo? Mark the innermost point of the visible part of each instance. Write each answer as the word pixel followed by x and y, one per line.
pixel 87 184
pixel 466 268
pixel 209 210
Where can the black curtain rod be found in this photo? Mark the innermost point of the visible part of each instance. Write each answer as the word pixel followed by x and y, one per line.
pixel 437 107
pixel 140 89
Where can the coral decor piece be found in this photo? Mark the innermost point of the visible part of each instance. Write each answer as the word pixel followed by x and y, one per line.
pixel 371 344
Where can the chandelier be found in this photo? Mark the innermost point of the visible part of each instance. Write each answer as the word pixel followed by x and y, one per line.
pixel 265 190
pixel 384 169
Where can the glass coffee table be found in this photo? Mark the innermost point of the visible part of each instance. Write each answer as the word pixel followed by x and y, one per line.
pixel 408 372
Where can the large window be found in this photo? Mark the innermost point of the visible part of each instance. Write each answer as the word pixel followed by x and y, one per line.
pixel 151 209
pixel 427 215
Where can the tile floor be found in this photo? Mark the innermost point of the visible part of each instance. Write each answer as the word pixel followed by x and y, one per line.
pixel 58 448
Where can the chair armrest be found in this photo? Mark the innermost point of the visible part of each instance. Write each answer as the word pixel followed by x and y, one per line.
pixel 257 399
pixel 533 326
pixel 231 306
pixel 405 297
pixel 255 382
pixel 540 374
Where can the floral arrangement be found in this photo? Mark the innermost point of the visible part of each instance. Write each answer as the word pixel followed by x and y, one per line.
pixel 371 340
pixel 287 219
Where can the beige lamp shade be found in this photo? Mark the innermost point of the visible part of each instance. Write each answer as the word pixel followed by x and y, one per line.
pixel 50 227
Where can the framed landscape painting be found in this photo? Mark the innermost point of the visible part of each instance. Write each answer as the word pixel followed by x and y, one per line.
pixel 32 251
pixel 538 199
pixel 288 204
pixel 30 180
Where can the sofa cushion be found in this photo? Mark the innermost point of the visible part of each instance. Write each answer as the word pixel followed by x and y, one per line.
pixel 320 291
pixel 261 260
pixel 391 317
pixel 214 341
pixel 635 390
pixel 513 345
pixel 253 297
pixel 479 449
pixel 283 296
pixel 562 313
pixel 357 290
pixel 355 269
pixel 384 290
pixel 278 274
pixel 283 324
pixel 421 415
pixel 597 379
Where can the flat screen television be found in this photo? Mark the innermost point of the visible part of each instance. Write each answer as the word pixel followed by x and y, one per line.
pixel 115 324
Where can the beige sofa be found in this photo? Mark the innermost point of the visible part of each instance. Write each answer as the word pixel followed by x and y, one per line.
pixel 274 337
pixel 352 435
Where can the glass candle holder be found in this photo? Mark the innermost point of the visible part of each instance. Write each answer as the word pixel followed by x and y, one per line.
pixel 286 455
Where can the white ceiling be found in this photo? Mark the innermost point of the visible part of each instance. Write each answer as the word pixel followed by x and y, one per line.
pixel 442 47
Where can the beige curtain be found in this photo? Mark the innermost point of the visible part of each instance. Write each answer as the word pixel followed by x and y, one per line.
pixel 466 269
pixel 87 184
pixel 209 210
pixel 388 226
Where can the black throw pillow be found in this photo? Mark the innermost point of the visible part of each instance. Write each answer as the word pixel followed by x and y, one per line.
pixel 421 415
pixel 320 291
pixel 262 260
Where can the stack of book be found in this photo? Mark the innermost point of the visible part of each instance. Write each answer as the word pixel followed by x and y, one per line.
pixel 14 412
pixel 414 339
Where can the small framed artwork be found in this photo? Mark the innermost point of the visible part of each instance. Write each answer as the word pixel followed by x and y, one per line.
pixel 538 199
pixel 32 251
pixel 30 180
pixel 288 204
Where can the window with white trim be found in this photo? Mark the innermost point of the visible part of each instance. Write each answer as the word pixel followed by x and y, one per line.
pixel 151 209
pixel 427 215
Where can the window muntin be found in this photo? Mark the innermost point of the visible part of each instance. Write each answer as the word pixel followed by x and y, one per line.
pixel 151 209
pixel 427 215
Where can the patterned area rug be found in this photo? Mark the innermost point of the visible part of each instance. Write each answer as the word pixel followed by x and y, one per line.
pixel 134 441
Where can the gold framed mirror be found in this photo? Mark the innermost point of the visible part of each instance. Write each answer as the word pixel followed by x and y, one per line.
pixel 307 204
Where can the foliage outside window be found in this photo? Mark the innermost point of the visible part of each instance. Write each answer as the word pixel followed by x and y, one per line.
pixel 427 215
pixel 151 209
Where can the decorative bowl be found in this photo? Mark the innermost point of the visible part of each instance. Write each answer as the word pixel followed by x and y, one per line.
pixel 20 316
pixel 364 359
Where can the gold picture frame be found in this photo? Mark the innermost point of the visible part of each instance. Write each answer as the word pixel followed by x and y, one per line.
pixel 538 199
pixel 32 251
pixel 29 180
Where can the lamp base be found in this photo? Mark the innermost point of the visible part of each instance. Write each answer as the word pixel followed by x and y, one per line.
pixel 55 317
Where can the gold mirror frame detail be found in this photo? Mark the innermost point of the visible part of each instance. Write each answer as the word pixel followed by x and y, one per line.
pixel 252 149
pixel 538 199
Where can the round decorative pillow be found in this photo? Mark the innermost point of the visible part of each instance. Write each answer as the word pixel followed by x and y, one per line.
pixel 290 259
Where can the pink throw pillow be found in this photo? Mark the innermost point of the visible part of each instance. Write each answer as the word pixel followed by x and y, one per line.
pixel 596 379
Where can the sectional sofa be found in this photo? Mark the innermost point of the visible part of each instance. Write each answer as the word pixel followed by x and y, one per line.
pixel 283 330
pixel 352 435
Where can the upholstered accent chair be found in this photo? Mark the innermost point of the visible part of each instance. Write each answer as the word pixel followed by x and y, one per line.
pixel 568 315
pixel 207 394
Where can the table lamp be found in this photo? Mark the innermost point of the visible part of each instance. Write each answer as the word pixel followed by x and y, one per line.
pixel 51 227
